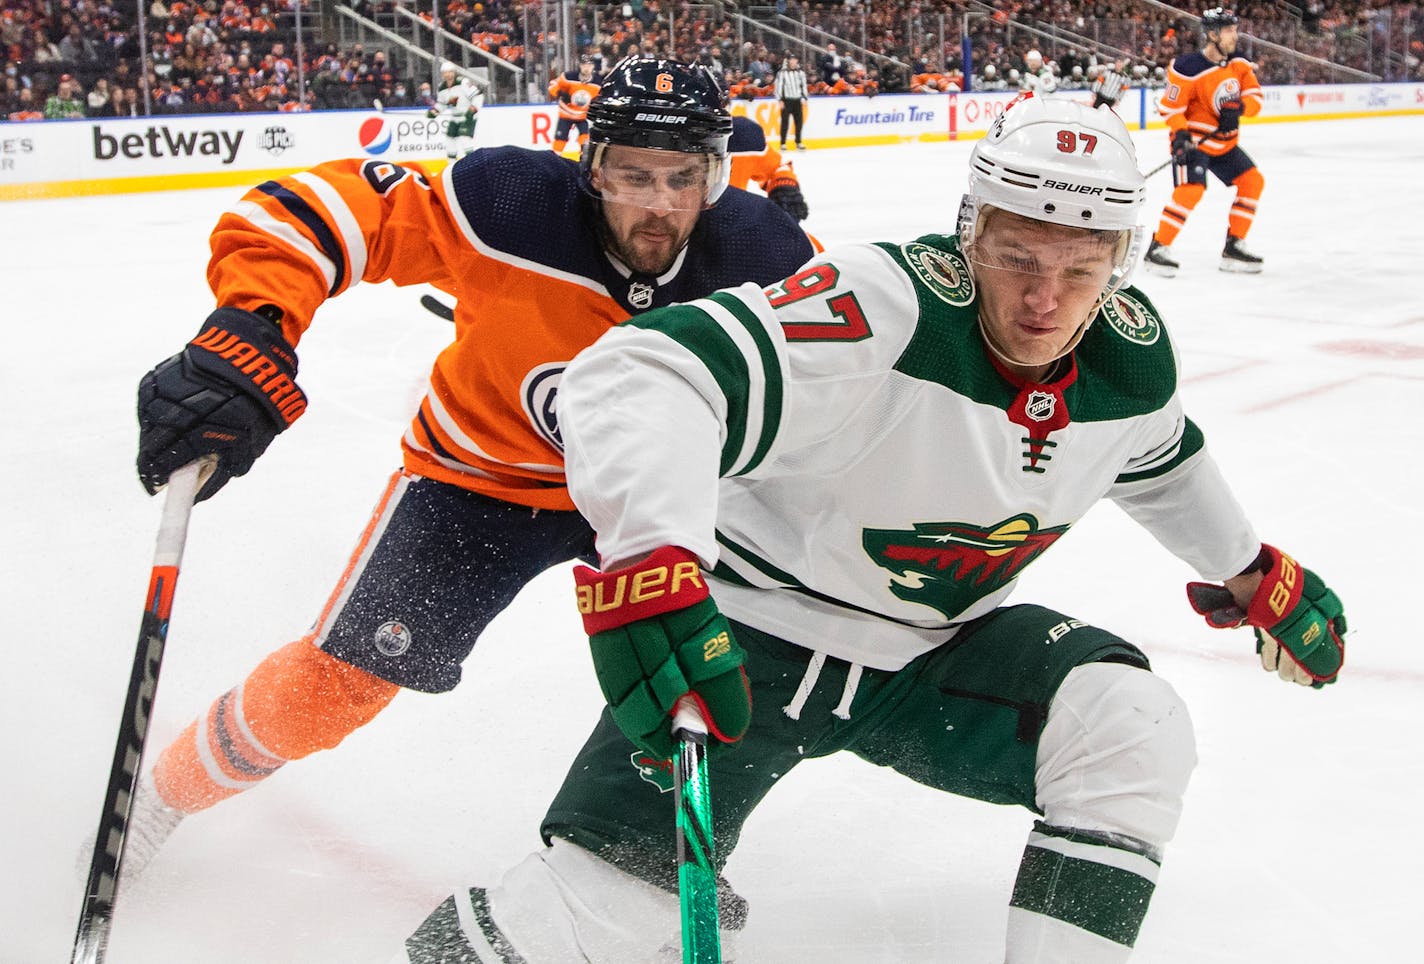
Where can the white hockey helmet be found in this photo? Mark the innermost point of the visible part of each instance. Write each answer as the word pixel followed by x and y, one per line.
pixel 1062 162
pixel 448 68
pixel 1033 60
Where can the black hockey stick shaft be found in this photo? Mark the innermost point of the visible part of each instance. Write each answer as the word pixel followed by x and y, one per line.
pixel 1168 162
pixel 437 307
pixel 91 940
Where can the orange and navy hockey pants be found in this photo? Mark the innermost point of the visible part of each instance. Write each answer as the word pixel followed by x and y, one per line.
pixel 435 564
pixel 1234 169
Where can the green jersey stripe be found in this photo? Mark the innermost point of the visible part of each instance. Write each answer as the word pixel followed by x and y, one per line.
pixel 1191 442
pixel 768 419
pixel 701 333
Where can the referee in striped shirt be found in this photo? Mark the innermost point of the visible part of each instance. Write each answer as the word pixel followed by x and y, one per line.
pixel 1108 88
pixel 791 91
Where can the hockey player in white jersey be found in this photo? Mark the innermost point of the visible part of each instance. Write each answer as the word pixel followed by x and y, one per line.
pixel 456 104
pixel 1038 77
pixel 812 502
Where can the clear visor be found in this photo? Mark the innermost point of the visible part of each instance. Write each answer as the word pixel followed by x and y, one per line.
pixel 657 180
pixel 1090 260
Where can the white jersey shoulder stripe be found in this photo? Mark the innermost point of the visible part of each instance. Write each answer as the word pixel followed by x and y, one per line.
pixel 283 231
pixel 341 218
pixel 472 236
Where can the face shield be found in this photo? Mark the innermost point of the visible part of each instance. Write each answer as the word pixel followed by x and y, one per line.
pixel 656 180
pixel 1042 277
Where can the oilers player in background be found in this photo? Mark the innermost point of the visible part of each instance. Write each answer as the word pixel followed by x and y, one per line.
pixel 847 471
pixel 1208 92
pixel 543 255
pixel 755 160
pixel 573 91
pixel 456 103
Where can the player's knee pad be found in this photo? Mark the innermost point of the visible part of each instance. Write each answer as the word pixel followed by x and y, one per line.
pixel 1115 754
pixel 1250 184
pixel 1187 195
pixel 301 699
pixel 565 904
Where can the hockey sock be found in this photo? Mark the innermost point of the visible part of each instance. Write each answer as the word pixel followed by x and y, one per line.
pixel 1243 210
pixel 559 146
pixel 1080 896
pixel 297 701
pixel 1174 213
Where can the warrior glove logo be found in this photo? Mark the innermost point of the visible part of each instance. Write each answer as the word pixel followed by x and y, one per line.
pixel 949 566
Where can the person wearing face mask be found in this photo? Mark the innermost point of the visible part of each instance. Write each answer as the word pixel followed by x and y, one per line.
pixel 544 254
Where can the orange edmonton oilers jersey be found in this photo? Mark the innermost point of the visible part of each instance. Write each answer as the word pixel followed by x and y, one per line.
pixel 573 94
pixel 1196 87
pixel 511 234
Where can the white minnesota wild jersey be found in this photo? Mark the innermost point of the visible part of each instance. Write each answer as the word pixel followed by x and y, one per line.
pixel 862 474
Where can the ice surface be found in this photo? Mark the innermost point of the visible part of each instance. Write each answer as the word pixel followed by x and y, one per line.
pixel 1299 840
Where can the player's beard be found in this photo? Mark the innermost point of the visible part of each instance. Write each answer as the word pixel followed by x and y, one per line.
pixel 646 242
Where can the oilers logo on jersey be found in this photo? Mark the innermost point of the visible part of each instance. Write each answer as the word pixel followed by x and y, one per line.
pixel 948 566
pixel 539 393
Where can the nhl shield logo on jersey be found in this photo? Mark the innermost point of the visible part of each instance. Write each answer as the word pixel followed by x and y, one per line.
pixel 640 295
pixel 392 638
pixel 943 273
pixel 1040 406
pixel 656 771
pixel 949 566
pixel 1130 318
pixel 538 393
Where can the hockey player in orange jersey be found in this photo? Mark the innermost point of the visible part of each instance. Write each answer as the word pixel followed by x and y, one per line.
pixel 573 91
pixel 1208 92
pixel 755 160
pixel 643 220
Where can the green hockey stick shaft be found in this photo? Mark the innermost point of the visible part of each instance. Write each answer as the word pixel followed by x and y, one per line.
pixel 696 875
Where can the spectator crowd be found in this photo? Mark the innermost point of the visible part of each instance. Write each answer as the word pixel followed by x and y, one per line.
pixel 83 58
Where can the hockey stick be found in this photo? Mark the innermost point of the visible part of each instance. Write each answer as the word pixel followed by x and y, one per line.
pixel 1168 162
pixel 696 876
pixel 91 940
pixel 437 307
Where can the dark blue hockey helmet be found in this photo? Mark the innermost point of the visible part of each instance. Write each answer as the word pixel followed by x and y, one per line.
pixel 661 105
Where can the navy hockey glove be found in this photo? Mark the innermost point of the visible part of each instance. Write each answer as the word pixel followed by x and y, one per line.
pixel 656 636
pixel 228 393
pixel 784 190
pixel 1228 115
pixel 1299 621
pixel 1182 148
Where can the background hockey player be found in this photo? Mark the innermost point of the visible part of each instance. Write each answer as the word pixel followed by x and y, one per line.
pixel 857 462
pixel 1208 92
pixel 457 103
pixel 573 91
pixel 480 506
pixel 755 160
pixel 1038 77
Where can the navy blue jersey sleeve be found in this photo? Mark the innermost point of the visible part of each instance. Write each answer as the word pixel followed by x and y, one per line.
pixel 744 238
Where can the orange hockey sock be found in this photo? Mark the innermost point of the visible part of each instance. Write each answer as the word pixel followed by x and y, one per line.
pixel 1243 210
pixel 297 701
pixel 1174 214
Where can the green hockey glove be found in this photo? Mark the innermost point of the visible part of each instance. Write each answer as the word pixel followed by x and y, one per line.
pixel 656 636
pixel 1299 621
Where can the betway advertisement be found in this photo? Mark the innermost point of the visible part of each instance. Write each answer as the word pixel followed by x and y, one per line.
pixel 76 157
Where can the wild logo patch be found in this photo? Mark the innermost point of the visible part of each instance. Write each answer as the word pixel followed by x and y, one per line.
pixel 949 566
pixel 943 273
pixel 655 771
pixel 1130 319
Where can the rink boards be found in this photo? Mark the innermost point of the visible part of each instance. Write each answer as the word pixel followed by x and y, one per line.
pixel 173 152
